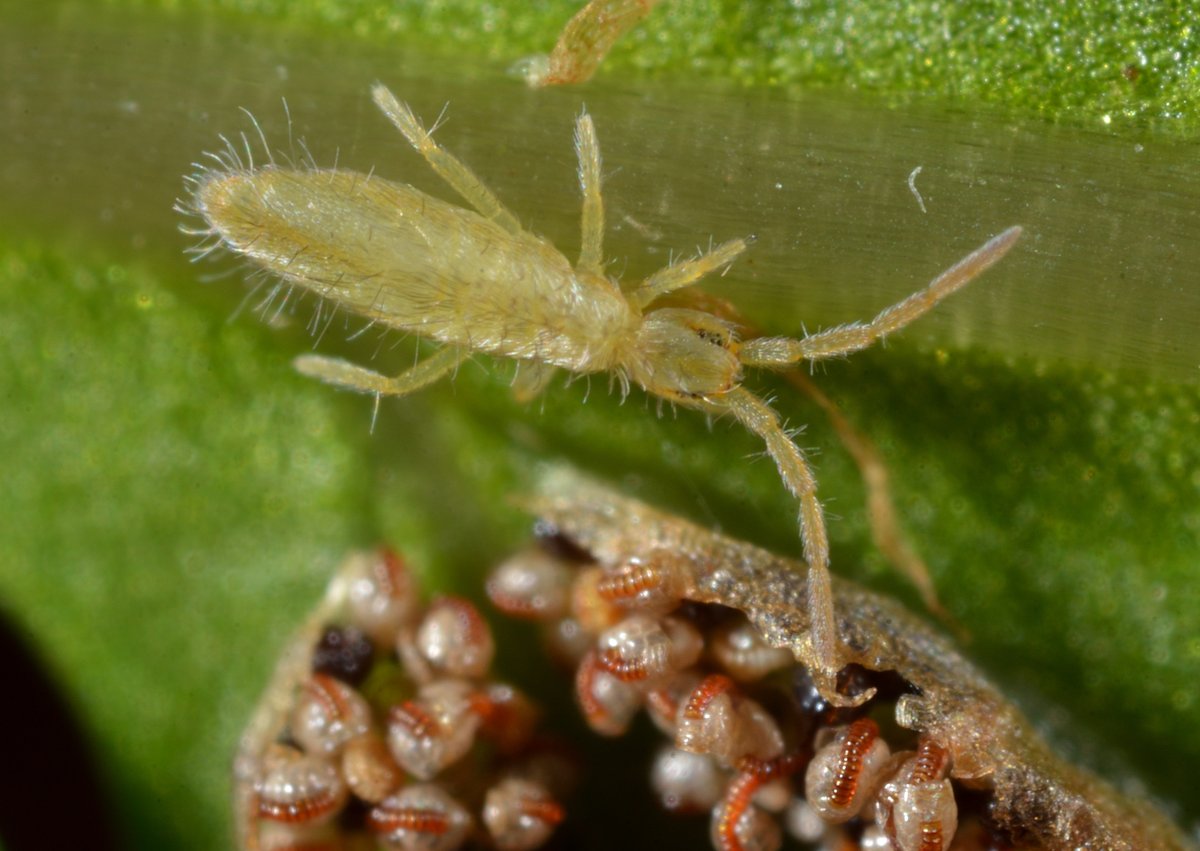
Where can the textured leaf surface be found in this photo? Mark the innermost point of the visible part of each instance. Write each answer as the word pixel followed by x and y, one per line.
pixel 1099 62
pixel 174 496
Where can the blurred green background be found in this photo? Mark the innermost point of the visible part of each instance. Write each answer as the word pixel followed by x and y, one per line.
pixel 175 496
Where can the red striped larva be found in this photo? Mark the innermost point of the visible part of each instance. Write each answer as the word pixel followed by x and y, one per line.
pixel 706 715
pixel 476 281
pixel 328 714
pixel 844 773
pixel 737 825
pixel 299 790
pixel 663 703
pixel 718 720
pixel 455 639
pixel 381 594
pixel 916 808
pixel 422 817
pixel 434 729
pixel 533 584
pixel 608 705
pixel 593 611
pixel 644 650
pixel 520 814
pixel 656 584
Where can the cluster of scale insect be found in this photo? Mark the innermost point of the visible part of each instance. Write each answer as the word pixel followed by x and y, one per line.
pixel 751 742
pixel 398 739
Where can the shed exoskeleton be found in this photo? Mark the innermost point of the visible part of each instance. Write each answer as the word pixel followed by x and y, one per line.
pixel 476 281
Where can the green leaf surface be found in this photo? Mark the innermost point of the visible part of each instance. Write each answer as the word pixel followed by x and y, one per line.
pixel 175 496
pixel 1096 62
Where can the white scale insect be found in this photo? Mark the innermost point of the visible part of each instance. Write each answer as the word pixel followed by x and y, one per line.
pixel 476 281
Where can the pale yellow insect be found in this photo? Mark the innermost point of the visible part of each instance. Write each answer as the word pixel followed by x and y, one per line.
pixel 476 281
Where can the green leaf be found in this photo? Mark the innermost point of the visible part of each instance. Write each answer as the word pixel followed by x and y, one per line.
pixel 1097 63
